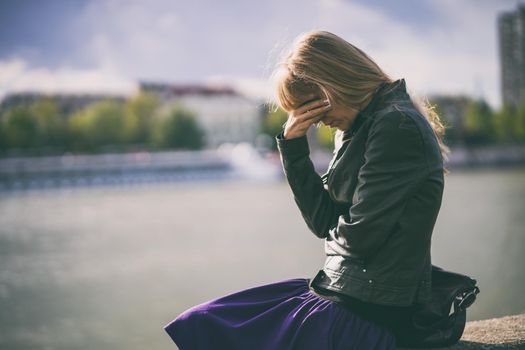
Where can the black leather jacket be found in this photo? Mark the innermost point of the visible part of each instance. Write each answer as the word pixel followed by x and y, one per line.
pixel 377 203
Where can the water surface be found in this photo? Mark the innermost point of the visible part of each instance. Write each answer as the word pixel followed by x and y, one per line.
pixel 106 268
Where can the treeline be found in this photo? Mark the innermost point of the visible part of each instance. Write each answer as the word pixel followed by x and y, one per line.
pixel 481 125
pixel 42 128
pixel 141 122
pixel 478 125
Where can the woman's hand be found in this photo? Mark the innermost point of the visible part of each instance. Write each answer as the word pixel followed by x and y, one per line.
pixel 300 119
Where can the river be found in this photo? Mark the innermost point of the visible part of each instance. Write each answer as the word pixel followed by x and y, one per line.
pixel 108 267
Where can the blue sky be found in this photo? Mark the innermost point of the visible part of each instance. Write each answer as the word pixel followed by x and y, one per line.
pixel 438 46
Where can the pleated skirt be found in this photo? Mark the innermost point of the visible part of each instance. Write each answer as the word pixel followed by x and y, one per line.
pixel 284 315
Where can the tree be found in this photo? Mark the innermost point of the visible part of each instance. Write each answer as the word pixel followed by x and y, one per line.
pixel 51 127
pixel 178 129
pixel 139 112
pixel 477 122
pixel 20 128
pixel 519 122
pixel 99 124
pixel 273 124
pixel 502 123
pixel 3 141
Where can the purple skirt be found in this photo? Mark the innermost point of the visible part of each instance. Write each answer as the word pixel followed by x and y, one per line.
pixel 282 315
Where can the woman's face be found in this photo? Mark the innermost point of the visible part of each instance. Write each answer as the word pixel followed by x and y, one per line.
pixel 339 117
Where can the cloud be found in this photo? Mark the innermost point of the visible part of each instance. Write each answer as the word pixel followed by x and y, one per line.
pixel 203 41
pixel 17 76
pixel 456 55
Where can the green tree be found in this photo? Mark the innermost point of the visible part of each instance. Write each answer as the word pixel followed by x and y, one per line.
pixel 20 128
pixel 139 112
pixel 519 122
pixel 503 123
pixel 273 124
pixel 97 125
pixel 178 129
pixel 3 141
pixel 478 122
pixel 51 126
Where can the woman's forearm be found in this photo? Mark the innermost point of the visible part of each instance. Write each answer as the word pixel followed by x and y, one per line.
pixel 319 211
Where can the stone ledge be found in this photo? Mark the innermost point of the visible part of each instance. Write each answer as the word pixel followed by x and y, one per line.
pixel 496 333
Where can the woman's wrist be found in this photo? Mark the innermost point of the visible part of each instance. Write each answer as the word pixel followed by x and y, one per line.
pixel 289 136
pixel 292 148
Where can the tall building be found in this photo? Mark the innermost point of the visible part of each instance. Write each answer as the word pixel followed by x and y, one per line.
pixel 511 30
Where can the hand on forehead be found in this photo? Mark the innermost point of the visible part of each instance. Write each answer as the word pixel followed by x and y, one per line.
pixel 310 97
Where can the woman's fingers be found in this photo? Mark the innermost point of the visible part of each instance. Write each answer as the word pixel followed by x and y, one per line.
pixel 313 115
pixel 303 117
pixel 311 110
pixel 310 107
pixel 316 112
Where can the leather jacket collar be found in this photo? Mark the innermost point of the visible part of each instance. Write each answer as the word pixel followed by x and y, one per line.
pixel 384 91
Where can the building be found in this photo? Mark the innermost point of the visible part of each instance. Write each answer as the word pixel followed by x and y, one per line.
pixel 511 30
pixel 225 115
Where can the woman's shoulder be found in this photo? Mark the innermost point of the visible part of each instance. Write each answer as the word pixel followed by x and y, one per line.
pixel 406 128
pixel 401 114
pixel 394 117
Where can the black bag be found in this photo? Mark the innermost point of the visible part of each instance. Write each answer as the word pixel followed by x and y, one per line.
pixel 433 323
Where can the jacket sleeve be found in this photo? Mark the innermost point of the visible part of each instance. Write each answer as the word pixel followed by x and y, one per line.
pixel 394 165
pixel 317 208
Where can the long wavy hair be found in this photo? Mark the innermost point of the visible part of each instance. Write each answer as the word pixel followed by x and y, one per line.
pixel 322 63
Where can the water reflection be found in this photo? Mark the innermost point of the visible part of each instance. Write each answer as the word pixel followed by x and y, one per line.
pixel 107 268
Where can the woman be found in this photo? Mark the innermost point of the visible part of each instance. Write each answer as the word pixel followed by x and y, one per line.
pixel 375 207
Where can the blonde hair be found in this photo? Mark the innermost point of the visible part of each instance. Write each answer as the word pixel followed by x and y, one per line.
pixel 320 62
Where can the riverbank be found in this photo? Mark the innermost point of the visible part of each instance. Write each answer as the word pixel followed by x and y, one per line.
pixel 497 333
pixel 500 155
pixel 230 162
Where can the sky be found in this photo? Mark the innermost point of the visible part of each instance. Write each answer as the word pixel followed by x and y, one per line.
pixel 108 46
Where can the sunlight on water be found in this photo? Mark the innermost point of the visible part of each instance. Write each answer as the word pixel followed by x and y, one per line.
pixel 107 268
